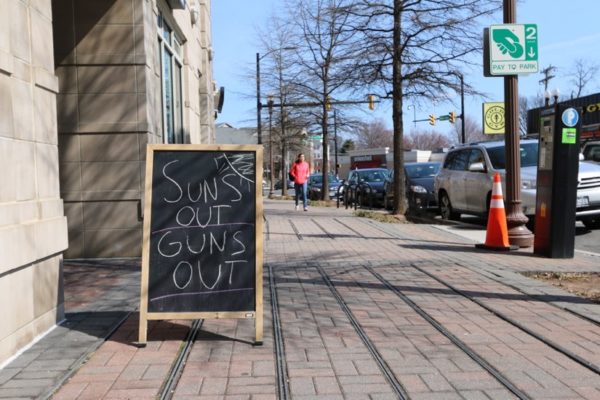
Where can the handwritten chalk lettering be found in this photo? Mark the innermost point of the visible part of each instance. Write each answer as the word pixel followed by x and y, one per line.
pixel 186 274
pixel 189 247
pixel 216 280
pixel 243 250
pixel 232 263
pixel 173 248
pixel 164 172
pixel 168 254
pixel 188 215
pixel 206 190
pixel 183 274
pixel 239 194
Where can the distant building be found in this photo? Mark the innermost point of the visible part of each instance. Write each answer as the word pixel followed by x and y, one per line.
pixel 227 134
pixel 84 86
pixel 590 117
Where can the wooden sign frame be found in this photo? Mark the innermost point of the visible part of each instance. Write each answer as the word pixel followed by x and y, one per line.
pixel 257 314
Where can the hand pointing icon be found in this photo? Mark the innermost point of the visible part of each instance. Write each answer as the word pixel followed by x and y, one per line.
pixel 508 42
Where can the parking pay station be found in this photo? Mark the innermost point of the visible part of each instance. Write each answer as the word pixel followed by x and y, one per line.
pixel 558 167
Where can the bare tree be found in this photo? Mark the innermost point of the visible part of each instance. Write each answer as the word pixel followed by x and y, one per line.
pixel 581 74
pixel 373 134
pixel 473 131
pixel 280 72
pixel 421 139
pixel 326 47
pixel 526 104
pixel 415 49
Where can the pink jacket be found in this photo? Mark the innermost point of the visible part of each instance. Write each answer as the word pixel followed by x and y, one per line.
pixel 300 171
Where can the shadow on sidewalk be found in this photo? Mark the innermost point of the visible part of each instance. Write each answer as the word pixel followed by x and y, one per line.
pixel 462 248
pixel 544 298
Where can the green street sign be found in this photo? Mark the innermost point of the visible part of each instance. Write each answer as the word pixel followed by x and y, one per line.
pixel 513 49
pixel 443 118
pixel 569 135
pixel 316 137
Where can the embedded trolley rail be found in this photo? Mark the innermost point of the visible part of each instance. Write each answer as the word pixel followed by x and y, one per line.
pixel 396 385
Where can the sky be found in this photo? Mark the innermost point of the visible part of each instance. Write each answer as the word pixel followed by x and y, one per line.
pixel 567 31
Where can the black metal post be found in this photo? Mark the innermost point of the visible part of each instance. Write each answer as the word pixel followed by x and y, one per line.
pixel 335 144
pixel 258 105
pixel 271 163
pixel 462 106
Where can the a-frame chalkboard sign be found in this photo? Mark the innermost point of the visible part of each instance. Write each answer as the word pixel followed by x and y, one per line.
pixel 202 241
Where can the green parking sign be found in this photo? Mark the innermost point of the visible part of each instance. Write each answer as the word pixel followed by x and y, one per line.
pixel 513 49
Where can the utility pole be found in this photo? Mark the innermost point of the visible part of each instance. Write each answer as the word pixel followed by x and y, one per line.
pixel 258 104
pixel 462 107
pixel 546 72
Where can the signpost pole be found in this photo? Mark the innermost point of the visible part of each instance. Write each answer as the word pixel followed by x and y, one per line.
pixel 518 234
pixel 462 107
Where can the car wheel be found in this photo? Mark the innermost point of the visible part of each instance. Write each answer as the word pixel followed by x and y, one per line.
pixel 446 208
pixel 591 222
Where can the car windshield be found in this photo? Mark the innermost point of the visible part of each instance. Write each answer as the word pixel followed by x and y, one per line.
pixel 319 179
pixel 592 152
pixel 421 170
pixel 372 176
pixel 529 155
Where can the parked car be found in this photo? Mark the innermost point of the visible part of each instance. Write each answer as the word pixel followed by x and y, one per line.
pixel 277 186
pixel 464 183
pixel 315 186
pixel 374 177
pixel 591 151
pixel 419 186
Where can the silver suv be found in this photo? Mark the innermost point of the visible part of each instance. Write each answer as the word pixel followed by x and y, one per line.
pixel 591 151
pixel 464 184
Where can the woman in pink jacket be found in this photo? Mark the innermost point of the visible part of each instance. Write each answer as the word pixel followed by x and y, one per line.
pixel 300 172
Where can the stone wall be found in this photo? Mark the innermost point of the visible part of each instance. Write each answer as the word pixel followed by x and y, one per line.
pixel 33 229
pixel 109 108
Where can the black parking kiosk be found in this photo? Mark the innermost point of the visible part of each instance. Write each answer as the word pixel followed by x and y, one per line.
pixel 558 167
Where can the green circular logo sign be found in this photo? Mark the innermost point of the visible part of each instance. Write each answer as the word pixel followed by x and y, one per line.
pixel 494 117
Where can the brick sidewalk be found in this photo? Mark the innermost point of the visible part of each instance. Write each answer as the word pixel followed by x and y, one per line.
pixel 325 357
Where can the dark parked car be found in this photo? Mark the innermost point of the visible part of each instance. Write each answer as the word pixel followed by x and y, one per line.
pixel 315 186
pixel 374 178
pixel 419 186
pixel 277 186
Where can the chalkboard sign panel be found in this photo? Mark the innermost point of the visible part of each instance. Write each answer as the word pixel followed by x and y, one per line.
pixel 202 253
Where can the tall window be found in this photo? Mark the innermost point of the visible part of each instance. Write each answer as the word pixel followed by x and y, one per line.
pixel 169 51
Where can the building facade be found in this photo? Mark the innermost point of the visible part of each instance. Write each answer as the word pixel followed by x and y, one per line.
pixel 84 86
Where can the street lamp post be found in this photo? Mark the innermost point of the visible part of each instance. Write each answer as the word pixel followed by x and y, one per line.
pixel 462 106
pixel 271 164
pixel 414 113
pixel 518 234
pixel 258 103
pixel 335 144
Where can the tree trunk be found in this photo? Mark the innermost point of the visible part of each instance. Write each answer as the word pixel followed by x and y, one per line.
pixel 399 180
pixel 325 187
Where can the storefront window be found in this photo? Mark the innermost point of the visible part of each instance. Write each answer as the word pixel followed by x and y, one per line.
pixel 171 64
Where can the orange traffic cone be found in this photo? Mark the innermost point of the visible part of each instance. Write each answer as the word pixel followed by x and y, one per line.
pixel 496 237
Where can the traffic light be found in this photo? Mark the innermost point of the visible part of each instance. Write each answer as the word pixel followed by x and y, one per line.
pixel 328 103
pixel 371 99
pixel 431 119
pixel 270 102
pixel 452 116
